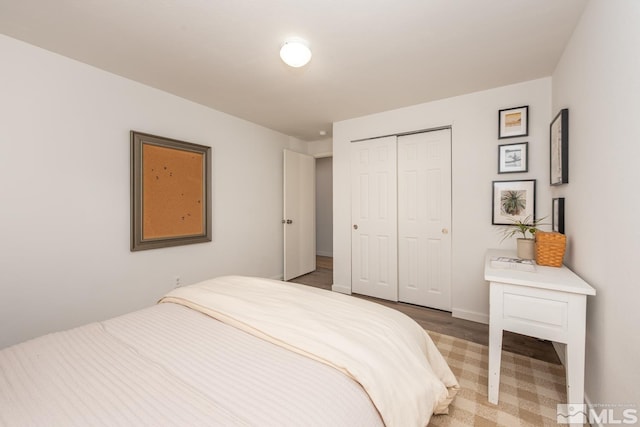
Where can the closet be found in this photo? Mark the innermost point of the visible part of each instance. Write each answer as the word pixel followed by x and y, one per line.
pixel 401 218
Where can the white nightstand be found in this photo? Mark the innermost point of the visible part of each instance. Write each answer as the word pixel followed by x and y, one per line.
pixel 548 303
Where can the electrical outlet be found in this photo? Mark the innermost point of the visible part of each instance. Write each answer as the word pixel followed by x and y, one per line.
pixel 177 282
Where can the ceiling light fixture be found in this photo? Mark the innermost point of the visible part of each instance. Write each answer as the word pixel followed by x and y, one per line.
pixel 295 53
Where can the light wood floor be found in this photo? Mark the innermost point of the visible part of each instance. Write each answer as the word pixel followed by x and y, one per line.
pixel 440 321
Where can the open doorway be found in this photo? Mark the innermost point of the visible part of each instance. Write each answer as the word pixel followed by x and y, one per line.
pixel 322 276
pixel 324 207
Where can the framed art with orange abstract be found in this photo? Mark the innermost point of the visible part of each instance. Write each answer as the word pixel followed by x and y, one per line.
pixel 513 122
pixel 170 192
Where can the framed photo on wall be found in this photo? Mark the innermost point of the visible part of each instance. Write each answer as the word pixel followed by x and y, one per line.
pixel 170 192
pixel 513 122
pixel 513 201
pixel 513 158
pixel 557 221
pixel 559 148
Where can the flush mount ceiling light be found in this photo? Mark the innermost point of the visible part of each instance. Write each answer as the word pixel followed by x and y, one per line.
pixel 295 52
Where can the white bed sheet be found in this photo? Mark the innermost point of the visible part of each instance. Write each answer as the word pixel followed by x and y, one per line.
pixel 171 366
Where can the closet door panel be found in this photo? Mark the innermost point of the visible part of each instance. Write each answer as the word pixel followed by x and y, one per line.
pixel 424 218
pixel 374 243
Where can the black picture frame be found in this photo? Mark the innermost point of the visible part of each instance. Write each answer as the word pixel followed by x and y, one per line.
pixel 513 122
pixel 557 217
pixel 170 192
pixel 513 201
pixel 559 148
pixel 513 158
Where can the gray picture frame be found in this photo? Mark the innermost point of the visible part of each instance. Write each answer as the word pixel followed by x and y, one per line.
pixel 170 192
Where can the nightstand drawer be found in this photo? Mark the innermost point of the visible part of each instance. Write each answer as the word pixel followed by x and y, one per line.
pixel 532 315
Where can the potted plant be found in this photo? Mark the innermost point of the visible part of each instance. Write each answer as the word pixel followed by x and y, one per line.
pixel 526 248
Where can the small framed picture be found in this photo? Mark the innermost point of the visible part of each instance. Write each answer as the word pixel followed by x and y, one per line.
pixel 513 201
pixel 559 148
pixel 513 158
pixel 513 122
pixel 557 221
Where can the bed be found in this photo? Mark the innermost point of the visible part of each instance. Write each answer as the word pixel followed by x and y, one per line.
pixel 232 351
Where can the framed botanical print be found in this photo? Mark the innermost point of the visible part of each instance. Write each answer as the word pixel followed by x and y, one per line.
pixel 513 201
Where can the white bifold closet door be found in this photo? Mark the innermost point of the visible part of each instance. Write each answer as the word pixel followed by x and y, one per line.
pixel 374 243
pixel 424 218
pixel 401 217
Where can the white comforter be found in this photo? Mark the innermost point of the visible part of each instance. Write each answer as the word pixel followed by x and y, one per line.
pixel 385 351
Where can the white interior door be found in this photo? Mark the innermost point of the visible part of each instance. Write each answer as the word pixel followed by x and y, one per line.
pixel 424 219
pixel 374 218
pixel 299 220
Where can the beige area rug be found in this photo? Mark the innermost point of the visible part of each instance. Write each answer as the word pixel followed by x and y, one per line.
pixel 529 389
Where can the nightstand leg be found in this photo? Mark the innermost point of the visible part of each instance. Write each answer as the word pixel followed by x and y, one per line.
pixel 495 342
pixel 575 355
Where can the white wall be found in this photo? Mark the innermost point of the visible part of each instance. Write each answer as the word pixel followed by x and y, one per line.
pixel 324 206
pixel 474 122
pixel 598 79
pixel 320 148
pixel 64 194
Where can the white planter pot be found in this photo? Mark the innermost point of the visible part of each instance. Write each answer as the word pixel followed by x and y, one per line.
pixel 526 248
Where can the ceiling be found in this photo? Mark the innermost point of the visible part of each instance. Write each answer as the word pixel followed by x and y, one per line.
pixel 368 55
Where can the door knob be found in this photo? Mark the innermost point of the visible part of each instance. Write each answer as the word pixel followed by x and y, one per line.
pixel 289 221
pixel 445 231
pixel 355 226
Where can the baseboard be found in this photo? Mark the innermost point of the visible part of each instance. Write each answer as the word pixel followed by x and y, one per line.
pixel 341 289
pixel 590 408
pixel 470 315
pixel 327 254
pixel 278 277
pixel 601 415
